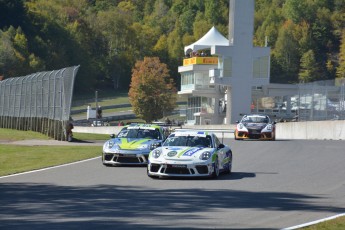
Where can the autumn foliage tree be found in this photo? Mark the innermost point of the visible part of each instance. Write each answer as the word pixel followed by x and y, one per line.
pixel 152 92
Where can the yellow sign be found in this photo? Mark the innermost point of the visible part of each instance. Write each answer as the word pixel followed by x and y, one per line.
pixel 200 61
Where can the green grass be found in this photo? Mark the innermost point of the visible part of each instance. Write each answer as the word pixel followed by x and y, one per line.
pixel 104 111
pixel 109 97
pixel 336 224
pixel 105 98
pixel 16 159
pixel 11 134
pixel 90 136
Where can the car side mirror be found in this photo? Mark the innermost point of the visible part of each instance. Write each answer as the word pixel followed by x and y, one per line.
pixel 237 122
pixel 220 146
pixel 112 136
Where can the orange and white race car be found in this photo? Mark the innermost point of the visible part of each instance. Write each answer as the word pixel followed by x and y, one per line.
pixel 255 126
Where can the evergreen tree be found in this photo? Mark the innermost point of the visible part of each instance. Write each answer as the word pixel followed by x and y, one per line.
pixel 341 68
pixel 308 71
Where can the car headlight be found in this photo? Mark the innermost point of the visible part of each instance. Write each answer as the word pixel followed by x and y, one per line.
pixel 240 126
pixel 110 144
pixel 269 127
pixel 205 156
pixel 156 153
pixel 155 145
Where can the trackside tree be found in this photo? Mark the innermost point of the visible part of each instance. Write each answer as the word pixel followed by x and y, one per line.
pixel 152 92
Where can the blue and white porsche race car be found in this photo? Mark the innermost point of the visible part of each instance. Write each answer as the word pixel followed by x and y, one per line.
pixel 132 145
pixel 190 154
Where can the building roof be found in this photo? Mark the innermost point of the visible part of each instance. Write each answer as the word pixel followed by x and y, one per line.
pixel 211 38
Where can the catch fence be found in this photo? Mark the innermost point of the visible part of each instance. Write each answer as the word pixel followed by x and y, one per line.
pixel 40 102
pixel 315 101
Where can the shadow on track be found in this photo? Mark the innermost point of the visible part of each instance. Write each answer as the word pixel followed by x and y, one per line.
pixel 45 206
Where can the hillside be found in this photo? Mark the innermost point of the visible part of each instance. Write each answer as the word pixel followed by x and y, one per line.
pixel 106 37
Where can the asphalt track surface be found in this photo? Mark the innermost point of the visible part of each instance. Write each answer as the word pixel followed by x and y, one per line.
pixel 274 185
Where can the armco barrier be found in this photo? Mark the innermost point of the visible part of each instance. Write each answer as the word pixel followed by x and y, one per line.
pixel 313 130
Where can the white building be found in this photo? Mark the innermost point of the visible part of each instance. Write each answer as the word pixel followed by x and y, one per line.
pixel 233 77
pixel 228 77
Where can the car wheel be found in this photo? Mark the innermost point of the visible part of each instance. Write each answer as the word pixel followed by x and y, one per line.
pixel 215 173
pixel 273 137
pixel 235 137
pixel 229 165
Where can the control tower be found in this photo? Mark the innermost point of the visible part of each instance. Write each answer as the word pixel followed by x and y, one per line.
pixel 241 66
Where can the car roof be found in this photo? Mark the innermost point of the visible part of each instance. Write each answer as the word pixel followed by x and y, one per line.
pixel 255 115
pixel 143 126
pixel 199 133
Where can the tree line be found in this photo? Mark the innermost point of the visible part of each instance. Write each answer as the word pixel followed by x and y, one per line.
pixel 107 37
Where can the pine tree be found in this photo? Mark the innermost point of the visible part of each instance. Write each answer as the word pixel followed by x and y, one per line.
pixel 341 68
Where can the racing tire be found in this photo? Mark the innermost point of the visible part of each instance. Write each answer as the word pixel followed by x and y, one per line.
pixel 229 165
pixel 273 137
pixel 216 171
pixel 235 136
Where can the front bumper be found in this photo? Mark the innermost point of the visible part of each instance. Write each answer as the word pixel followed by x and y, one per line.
pixel 254 135
pixel 181 169
pixel 129 158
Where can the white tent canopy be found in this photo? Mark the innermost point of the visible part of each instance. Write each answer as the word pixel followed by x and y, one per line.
pixel 211 38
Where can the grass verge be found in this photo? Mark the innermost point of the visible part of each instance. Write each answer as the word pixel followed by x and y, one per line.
pixel 16 135
pixel 17 159
pixel 335 224
pixel 90 136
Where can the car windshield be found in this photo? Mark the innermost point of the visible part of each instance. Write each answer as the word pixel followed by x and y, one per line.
pixel 140 133
pixel 191 141
pixel 255 119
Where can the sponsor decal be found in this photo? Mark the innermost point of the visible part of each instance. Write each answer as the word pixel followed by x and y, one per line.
pixel 171 153
pixel 176 166
pixel 191 151
pixel 128 144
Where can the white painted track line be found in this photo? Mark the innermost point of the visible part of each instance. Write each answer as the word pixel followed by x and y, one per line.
pixel 314 222
pixel 52 167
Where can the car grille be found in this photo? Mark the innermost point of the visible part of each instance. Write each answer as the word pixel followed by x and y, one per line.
pixel 154 167
pixel 177 171
pixel 254 131
pixel 254 136
pixel 127 160
pixel 108 157
pixel 122 158
pixel 267 135
pixel 202 169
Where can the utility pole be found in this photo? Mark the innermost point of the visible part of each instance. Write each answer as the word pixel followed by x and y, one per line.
pixel 96 99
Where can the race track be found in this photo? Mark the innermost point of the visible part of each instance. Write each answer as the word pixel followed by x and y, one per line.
pixel 274 185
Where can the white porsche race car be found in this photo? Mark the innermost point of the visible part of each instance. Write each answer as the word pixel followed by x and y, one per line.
pixel 190 154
